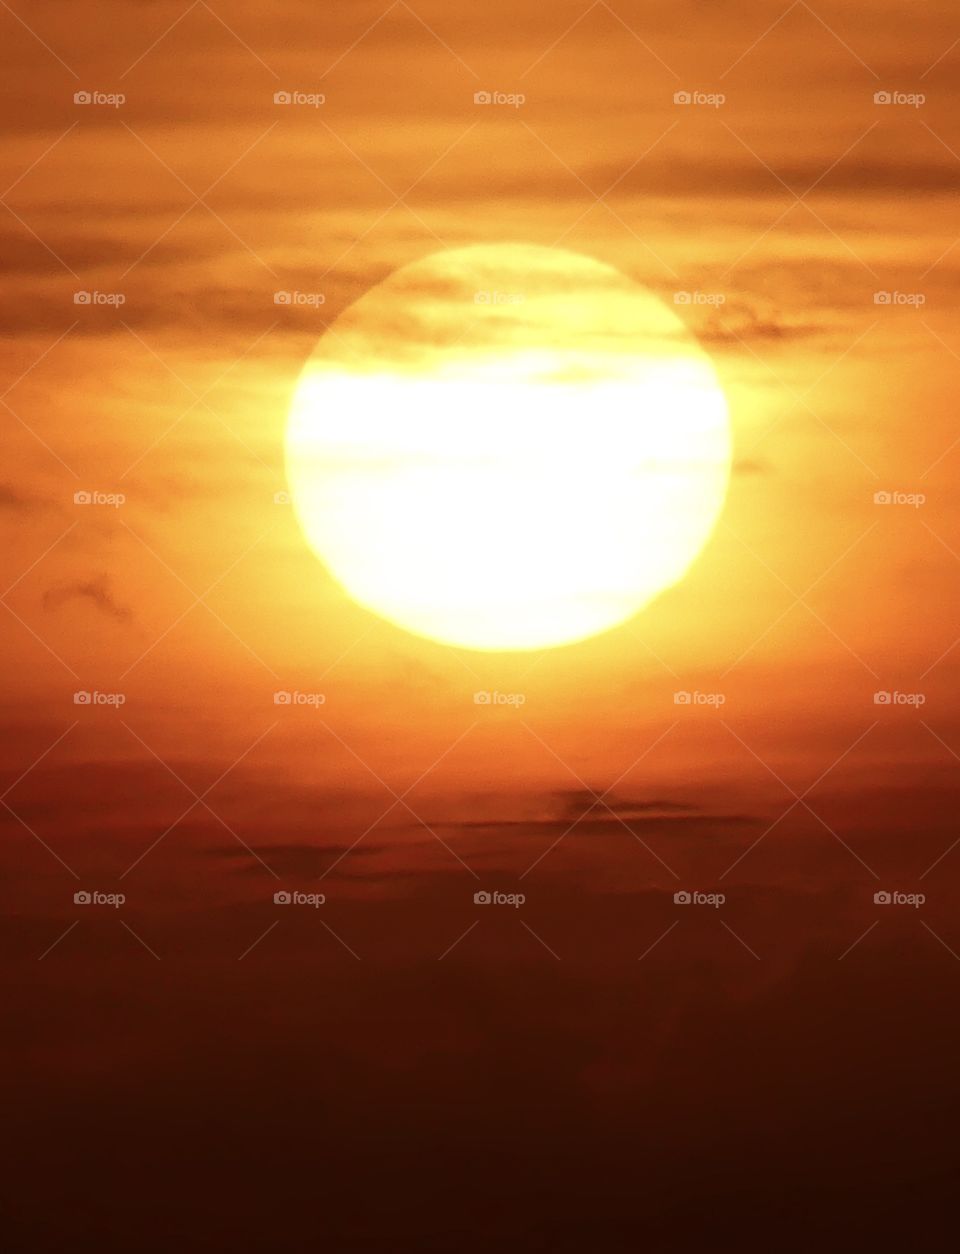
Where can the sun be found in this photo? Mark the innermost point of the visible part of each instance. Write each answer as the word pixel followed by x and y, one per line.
pixel 508 447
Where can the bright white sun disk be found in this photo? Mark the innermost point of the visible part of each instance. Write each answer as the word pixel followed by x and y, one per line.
pixel 538 480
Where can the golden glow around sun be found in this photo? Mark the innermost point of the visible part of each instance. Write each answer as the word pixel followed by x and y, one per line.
pixel 508 447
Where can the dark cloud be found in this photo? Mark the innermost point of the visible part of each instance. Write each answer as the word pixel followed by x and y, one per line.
pixel 95 592
pixel 740 320
pixel 17 501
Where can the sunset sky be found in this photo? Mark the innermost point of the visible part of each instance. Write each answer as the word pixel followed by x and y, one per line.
pixel 799 214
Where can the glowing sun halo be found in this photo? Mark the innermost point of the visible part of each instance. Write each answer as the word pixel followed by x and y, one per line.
pixel 508 447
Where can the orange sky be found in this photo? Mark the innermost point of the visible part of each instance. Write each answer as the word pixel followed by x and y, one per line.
pixel 796 199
